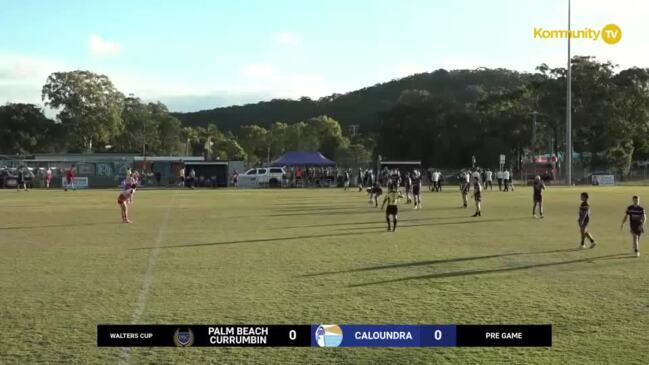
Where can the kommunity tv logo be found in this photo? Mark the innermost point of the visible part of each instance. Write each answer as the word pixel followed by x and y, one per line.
pixel 610 33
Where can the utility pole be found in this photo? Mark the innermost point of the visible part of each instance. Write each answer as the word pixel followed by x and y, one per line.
pixel 352 129
pixel 534 114
pixel 144 150
pixel 568 158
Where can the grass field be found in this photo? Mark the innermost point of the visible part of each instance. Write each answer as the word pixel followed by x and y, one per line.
pixel 317 256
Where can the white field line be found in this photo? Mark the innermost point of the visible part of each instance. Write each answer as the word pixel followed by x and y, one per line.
pixel 148 278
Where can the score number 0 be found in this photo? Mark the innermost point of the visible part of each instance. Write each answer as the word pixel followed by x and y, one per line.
pixel 437 335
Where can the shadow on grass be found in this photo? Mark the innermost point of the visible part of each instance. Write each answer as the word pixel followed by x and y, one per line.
pixel 23 206
pixel 261 240
pixel 321 212
pixel 402 223
pixel 315 207
pixel 440 261
pixel 377 221
pixel 493 271
pixel 346 233
pixel 60 225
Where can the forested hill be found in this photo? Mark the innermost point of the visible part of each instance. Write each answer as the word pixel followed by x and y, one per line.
pixel 364 106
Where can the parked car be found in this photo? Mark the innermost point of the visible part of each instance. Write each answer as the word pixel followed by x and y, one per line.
pixel 263 176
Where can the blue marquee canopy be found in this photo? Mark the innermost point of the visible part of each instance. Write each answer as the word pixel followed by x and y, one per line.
pixel 302 158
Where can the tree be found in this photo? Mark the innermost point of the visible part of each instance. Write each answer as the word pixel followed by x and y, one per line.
pixel 354 155
pixel 169 130
pixel 619 157
pixel 369 141
pixel 209 137
pixel 441 118
pixel 323 134
pixel 170 136
pixel 361 107
pixel 140 133
pixel 25 129
pixel 90 107
pixel 229 149
pixel 277 139
pixel 506 119
pixel 596 122
pixel 548 89
pixel 253 139
pixel 633 101
pixel 425 127
pixel 293 138
pixel 191 141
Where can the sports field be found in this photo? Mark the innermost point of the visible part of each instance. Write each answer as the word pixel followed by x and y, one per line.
pixel 317 256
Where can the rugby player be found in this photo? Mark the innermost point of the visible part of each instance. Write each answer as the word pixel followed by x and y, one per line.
pixel 477 196
pixel 538 188
pixel 408 187
pixel 359 179
pixel 69 179
pixel 584 218
pixel 488 180
pixel 499 176
pixel 346 178
pixel 48 177
pixel 375 191
pixel 122 201
pixel 464 190
pixel 637 218
pixel 416 188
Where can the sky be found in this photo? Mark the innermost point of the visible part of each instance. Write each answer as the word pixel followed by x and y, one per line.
pixel 195 55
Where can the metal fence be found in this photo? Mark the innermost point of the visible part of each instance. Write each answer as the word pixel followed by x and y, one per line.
pixel 89 173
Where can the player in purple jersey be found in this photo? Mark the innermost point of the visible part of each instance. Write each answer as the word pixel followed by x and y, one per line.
pixel 584 219
pixel 637 217
pixel 538 188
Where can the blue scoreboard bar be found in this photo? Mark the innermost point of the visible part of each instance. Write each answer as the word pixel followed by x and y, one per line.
pixel 383 335
pixel 431 335
pixel 323 335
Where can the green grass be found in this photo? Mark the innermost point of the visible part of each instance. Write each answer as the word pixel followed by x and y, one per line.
pixel 318 256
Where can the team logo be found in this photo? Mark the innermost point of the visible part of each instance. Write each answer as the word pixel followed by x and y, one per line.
pixel 183 338
pixel 329 335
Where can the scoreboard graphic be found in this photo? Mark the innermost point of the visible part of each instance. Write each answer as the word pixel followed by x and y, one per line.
pixel 324 335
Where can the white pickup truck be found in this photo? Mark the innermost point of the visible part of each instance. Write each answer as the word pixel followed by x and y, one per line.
pixel 264 176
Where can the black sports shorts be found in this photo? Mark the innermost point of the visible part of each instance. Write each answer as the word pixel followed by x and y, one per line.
pixel 637 229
